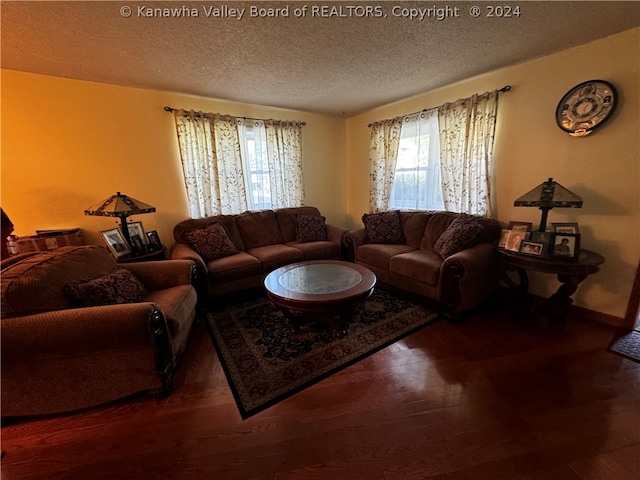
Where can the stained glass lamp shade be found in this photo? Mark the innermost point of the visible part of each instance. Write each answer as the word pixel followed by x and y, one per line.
pixel 546 196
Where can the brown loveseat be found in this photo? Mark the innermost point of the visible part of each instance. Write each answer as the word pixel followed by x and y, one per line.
pixel 79 330
pixel 235 252
pixel 445 256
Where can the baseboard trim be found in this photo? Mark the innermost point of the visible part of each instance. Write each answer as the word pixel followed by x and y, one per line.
pixel 576 311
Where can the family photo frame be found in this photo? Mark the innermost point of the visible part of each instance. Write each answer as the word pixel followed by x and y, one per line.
pixel 565 246
pixel 115 242
pixel 567 227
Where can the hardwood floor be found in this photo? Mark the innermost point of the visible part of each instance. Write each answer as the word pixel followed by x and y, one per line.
pixel 489 397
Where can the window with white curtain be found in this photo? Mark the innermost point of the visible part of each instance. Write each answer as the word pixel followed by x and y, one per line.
pixel 416 184
pixel 253 148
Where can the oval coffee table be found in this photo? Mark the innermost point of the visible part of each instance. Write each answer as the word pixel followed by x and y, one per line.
pixel 323 290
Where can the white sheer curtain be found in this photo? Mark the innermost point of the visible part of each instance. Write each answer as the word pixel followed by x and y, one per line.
pixel 284 153
pixel 383 153
pixel 467 131
pixel 212 164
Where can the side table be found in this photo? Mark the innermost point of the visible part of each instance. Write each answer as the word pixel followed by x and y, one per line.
pixel 570 274
pixel 145 257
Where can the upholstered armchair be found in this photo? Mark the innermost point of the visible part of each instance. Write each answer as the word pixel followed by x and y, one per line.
pixel 79 330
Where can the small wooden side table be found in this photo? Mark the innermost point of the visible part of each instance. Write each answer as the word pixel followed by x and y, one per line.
pixel 145 257
pixel 570 274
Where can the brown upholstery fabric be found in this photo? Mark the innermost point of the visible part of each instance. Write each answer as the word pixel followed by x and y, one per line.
pixel 420 265
pixel 318 250
pixel 436 225
pixel 384 227
pixel 211 241
pixel 36 284
pixel 119 286
pixel 233 268
pixel 380 254
pixel 274 256
pixel 258 229
pixel 228 221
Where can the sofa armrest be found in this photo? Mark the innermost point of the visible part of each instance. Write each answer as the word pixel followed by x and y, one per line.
pixel 469 276
pixel 163 274
pixel 354 239
pixel 335 234
pixel 182 251
pixel 69 359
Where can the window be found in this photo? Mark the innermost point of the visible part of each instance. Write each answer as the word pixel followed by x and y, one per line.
pixel 416 184
pixel 253 148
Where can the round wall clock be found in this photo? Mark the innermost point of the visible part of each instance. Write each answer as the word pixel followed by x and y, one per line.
pixel 586 107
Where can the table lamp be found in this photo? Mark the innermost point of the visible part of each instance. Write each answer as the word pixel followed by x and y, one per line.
pixel 546 196
pixel 121 206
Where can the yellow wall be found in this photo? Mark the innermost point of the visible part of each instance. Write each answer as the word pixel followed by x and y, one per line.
pixel 68 144
pixel 602 168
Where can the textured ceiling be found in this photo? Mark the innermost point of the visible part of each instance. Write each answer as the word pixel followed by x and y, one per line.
pixel 332 61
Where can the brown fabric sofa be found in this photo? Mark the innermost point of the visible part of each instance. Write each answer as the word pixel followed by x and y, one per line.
pixel 66 346
pixel 235 252
pixel 427 253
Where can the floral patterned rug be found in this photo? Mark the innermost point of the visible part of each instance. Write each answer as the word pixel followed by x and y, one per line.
pixel 628 345
pixel 266 361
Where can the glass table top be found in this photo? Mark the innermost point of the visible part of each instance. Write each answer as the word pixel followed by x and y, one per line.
pixel 320 279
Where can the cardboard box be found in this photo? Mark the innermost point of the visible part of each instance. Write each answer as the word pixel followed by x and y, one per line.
pixel 38 243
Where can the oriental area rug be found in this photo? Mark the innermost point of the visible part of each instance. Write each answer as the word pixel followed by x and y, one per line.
pixel 265 361
pixel 627 345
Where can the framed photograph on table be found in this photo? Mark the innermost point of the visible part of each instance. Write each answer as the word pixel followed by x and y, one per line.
pixel 135 228
pixel 514 239
pixel 565 228
pixel 520 226
pixel 154 240
pixel 116 242
pixel 566 245
pixel 528 247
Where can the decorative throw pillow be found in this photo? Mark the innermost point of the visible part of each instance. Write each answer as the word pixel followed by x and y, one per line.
pixel 211 242
pixel 384 227
pixel 310 228
pixel 119 286
pixel 460 234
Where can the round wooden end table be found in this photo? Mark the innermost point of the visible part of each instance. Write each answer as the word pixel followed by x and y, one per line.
pixel 570 272
pixel 322 290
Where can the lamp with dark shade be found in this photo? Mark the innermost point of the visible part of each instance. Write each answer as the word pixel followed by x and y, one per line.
pixel 546 196
pixel 120 206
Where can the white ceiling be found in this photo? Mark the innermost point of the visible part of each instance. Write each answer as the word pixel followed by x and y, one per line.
pixel 337 65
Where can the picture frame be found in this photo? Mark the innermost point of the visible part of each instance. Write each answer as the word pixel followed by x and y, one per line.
pixel 138 245
pixel 565 245
pixel 116 242
pixel 543 238
pixel 536 249
pixel 153 240
pixel 503 238
pixel 514 239
pixel 520 226
pixel 566 227
pixel 135 228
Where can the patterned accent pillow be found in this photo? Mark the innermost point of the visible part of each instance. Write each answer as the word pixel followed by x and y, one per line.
pixel 384 227
pixel 119 286
pixel 462 233
pixel 211 242
pixel 310 228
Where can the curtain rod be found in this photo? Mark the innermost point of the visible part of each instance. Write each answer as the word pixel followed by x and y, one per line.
pixel 504 89
pixel 171 110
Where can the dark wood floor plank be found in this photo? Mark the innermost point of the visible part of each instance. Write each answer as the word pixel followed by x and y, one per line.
pixel 485 397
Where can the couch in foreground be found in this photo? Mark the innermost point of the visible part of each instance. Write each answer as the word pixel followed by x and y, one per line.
pixel 446 256
pixel 235 252
pixel 80 330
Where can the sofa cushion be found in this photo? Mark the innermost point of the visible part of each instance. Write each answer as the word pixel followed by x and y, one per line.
pixel 310 228
pixel 379 254
pixel 420 265
pixel 322 250
pixel 36 284
pixel 258 229
pixel 462 233
pixel 234 267
pixel 274 256
pixel 119 286
pixel 211 241
pixel 384 227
